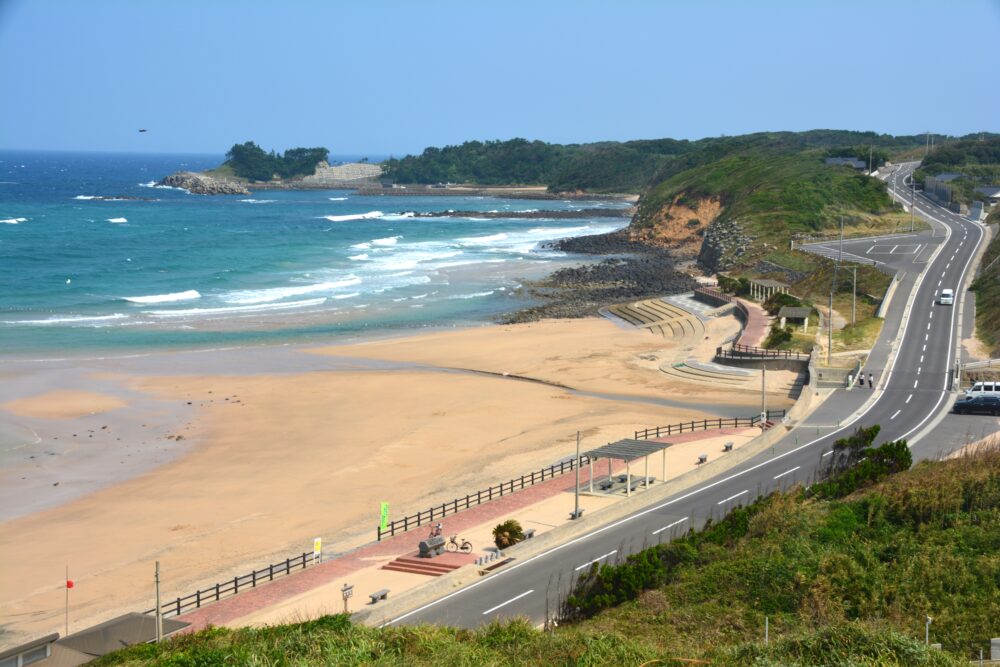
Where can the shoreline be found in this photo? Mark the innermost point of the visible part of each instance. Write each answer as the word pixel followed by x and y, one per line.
pixel 281 445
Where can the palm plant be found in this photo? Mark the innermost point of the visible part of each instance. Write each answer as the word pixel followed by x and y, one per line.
pixel 507 533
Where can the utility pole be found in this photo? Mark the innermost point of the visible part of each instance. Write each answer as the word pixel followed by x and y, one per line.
pixel 763 393
pixel 913 197
pixel 576 489
pixel 833 286
pixel 854 296
pixel 870 147
pixel 159 614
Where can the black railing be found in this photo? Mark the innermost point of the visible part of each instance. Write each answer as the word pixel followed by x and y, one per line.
pixel 705 424
pixel 230 587
pixel 471 500
pixel 740 351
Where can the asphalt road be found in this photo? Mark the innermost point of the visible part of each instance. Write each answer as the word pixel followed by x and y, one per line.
pixel 915 390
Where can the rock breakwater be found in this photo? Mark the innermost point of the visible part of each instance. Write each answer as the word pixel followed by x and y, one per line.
pixel 634 271
pixel 200 184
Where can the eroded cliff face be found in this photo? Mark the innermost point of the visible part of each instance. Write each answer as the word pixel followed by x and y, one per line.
pixel 693 228
pixel 200 184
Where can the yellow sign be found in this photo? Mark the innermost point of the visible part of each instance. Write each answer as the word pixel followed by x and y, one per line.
pixel 318 549
pixel 384 517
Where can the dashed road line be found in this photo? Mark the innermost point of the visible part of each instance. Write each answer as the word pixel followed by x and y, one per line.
pixel 787 472
pixel 504 604
pixel 591 562
pixel 895 414
pixel 660 530
pixel 722 502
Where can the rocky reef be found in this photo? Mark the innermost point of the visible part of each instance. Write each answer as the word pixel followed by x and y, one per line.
pixel 725 242
pixel 200 184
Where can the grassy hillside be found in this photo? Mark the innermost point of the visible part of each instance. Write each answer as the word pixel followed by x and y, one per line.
pixel 631 166
pixel 987 289
pixel 842 582
pixel 976 159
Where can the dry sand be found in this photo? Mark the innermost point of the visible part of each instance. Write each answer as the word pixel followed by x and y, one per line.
pixel 279 458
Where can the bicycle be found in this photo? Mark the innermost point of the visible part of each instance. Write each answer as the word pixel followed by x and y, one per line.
pixel 454 545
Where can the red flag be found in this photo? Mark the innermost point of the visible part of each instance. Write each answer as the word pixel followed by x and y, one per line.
pixel 69 583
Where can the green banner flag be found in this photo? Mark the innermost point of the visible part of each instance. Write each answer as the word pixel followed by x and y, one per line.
pixel 384 517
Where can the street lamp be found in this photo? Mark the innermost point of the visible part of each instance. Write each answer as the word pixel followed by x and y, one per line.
pixel 346 592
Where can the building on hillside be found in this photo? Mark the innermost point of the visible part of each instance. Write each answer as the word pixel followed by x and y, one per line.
pixel 991 192
pixel 938 187
pixel 854 163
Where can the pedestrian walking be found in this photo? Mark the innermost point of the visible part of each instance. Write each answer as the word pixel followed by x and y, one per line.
pixel 861 379
pixel 871 381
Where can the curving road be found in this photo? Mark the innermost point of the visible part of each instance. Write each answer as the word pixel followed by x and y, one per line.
pixel 915 387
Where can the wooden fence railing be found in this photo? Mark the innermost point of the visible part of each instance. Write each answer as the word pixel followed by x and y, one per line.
pixel 705 424
pixel 740 351
pixel 471 500
pixel 230 587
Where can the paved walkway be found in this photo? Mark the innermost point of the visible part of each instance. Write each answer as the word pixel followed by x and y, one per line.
pixel 373 554
pixel 757 326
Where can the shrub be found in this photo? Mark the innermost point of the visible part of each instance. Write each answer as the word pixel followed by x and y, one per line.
pixel 508 533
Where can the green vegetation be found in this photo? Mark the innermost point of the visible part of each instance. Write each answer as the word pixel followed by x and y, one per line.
pixel 507 533
pixel 630 166
pixel 843 580
pixel 976 159
pixel 987 290
pixel 250 161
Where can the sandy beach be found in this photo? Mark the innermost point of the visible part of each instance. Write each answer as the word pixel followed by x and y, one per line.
pixel 249 454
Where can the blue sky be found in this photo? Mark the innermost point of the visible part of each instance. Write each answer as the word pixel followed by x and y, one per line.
pixel 373 77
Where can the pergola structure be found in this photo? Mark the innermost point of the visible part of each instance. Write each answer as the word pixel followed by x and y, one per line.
pixel 628 451
pixel 763 288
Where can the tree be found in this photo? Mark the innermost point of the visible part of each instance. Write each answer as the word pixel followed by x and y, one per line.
pixel 508 533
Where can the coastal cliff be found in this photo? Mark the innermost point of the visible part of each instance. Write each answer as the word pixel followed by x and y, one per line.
pixel 200 184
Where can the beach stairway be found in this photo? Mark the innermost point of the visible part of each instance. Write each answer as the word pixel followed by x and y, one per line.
pixel 659 317
pixel 432 567
pixel 700 372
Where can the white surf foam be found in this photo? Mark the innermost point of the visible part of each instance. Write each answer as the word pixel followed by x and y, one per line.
pixel 361 246
pixel 118 221
pixel 71 319
pixel 347 296
pixel 165 298
pixel 337 198
pixel 85 197
pixel 354 216
pixel 387 241
pixel 277 293
pixel 257 201
pixel 152 184
pixel 358 258
pixel 398 216
pixel 235 310
pixel 13 221
pixel 472 296
pixel 482 240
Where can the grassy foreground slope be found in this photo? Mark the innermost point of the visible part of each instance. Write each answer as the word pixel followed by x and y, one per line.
pixel 844 582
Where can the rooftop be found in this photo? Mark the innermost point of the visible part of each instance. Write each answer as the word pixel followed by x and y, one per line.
pixel 627 450
pixel 795 312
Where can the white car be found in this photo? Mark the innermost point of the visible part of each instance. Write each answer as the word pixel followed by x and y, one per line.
pixel 947 297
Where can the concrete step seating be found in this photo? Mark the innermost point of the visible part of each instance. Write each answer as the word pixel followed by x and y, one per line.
pixel 659 317
pixel 416 565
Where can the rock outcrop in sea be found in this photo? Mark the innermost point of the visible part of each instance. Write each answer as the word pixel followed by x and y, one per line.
pixel 200 184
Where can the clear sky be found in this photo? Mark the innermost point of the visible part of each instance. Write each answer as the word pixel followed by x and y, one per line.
pixel 375 77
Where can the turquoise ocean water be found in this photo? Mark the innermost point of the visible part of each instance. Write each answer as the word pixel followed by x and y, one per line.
pixel 80 274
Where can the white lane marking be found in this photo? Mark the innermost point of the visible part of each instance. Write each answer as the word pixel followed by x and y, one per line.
pixel 909 397
pixel 591 562
pixel 942 273
pixel 926 336
pixel 712 485
pixel 893 249
pixel 921 358
pixel 787 472
pixel 915 383
pixel 660 530
pixel 925 348
pixel 939 285
pixel 948 265
pixel 931 316
pixel 868 252
pixel 894 414
pixel 827 454
pixel 721 502
pixel 918 369
pixel 928 326
pixel 504 604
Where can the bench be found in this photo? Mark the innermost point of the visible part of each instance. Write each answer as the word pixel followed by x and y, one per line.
pixel 379 595
pixel 728 447
pixel 528 534
pixel 605 485
pixel 702 458
pixel 636 483
pixel 622 478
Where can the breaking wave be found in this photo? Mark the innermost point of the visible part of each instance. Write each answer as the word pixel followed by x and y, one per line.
pixel 165 298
